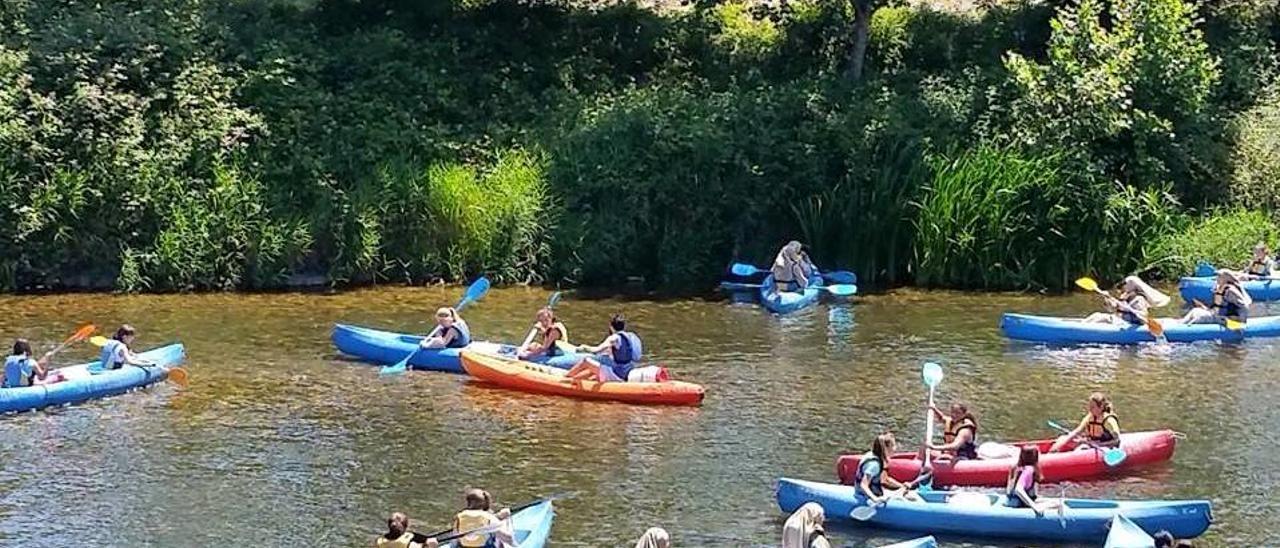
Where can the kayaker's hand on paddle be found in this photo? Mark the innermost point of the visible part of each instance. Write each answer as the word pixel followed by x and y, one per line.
pixel 504 514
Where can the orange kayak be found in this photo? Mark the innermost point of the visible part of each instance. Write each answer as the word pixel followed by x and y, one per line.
pixel 531 377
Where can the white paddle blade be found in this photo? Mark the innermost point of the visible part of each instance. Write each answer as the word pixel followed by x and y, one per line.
pixel 863 513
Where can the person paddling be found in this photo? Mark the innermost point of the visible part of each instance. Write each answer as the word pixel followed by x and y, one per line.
pixel 655 537
pixel 615 356
pixel 1230 301
pixel 1261 265
pixel 873 473
pixel 1020 490
pixel 398 535
pixel 959 433
pixel 116 353
pixel 550 332
pixel 451 331
pixel 1099 427
pixel 1135 302
pixel 20 370
pixel 477 515
pixel 791 269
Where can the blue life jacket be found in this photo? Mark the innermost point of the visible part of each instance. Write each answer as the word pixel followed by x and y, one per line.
pixel 108 355
pixel 876 486
pixel 17 371
pixel 628 350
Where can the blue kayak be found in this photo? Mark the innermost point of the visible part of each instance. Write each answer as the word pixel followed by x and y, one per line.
pixel 1126 534
pixel 532 525
pixel 1047 329
pixel 386 347
pixel 786 302
pixel 89 382
pixel 1201 288
pixel 922 542
pixel 1082 520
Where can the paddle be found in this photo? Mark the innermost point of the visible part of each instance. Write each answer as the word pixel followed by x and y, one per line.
pixel 838 276
pixel 421 538
pixel 1111 456
pixel 177 375
pixel 1153 325
pixel 839 290
pixel 79 335
pixel 477 289
pixel 1231 324
pixel 932 375
pixel 551 304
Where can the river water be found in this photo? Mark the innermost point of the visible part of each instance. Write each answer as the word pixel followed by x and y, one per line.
pixel 279 441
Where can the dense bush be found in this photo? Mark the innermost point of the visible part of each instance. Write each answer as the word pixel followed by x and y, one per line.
pixel 188 144
pixel 1224 238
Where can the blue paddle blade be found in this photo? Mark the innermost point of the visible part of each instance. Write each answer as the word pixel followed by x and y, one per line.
pixel 739 269
pixel 932 374
pixel 1058 427
pixel 1204 269
pixel 841 277
pixel 478 289
pixel 1114 456
pixel 842 290
pixel 399 367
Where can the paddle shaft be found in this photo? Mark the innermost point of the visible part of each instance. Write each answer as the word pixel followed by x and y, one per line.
pixel 419 537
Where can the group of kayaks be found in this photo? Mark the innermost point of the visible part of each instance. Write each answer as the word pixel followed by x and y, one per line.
pixel 497 364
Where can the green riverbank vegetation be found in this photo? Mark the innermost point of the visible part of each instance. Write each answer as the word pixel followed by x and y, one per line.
pixel 171 145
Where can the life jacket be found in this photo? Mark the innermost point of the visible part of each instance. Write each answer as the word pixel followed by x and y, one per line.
pixel 554 349
pixel 15 372
pixel 109 354
pixel 1097 430
pixel 628 350
pixel 468 520
pixel 402 542
pixel 1137 302
pixel 461 334
pixel 876 486
pixel 1031 491
pixel 1222 307
pixel 1260 267
pixel 969 450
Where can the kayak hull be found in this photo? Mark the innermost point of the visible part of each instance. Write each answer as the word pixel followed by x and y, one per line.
pixel 1083 520
pixel 1126 534
pixel 922 542
pixel 786 302
pixel 1143 449
pixel 1045 329
pixel 532 525
pixel 530 377
pixel 82 384
pixel 1201 289
pixel 387 347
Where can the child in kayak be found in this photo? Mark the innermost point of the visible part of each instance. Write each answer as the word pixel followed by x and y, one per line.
pixel 1021 487
pixel 20 370
pixel 1099 427
pixel 451 331
pixel 398 535
pixel 959 434
pixel 1230 301
pixel 1261 265
pixel 116 353
pixel 873 473
pixel 477 515
pixel 614 358
pixel 804 528
pixel 550 332
pixel 791 268
pixel 1136 300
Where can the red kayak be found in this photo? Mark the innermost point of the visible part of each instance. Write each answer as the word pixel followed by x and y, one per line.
pixel 1143 448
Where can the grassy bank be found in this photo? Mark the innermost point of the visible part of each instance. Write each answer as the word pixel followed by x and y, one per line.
pixel 188 144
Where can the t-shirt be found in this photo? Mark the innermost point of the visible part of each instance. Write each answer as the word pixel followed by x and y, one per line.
pixel 872 468
pixel 1027 478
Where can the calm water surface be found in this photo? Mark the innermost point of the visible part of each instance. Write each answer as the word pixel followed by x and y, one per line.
pixel 279 441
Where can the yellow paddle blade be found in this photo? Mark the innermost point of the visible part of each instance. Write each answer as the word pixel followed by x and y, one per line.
pixel 1088 284
pixel 98 340
pixel 1234 325
pixel 178 376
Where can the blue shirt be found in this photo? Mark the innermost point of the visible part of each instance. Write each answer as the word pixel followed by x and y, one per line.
pixel 17 371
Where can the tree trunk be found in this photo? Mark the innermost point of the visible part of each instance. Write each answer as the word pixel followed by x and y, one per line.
pixel 861 33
